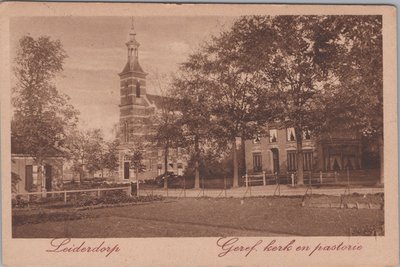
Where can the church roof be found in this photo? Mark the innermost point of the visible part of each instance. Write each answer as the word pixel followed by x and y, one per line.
pixel 132 66
pixel 156 100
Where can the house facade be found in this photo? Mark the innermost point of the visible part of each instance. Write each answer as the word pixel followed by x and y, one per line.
pixel 277 153
pixel 24 172
pixel 137 110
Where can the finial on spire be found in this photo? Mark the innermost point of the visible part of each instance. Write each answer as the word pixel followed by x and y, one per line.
pixel 132 32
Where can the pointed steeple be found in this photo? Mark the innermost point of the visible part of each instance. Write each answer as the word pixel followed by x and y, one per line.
pixel 133 53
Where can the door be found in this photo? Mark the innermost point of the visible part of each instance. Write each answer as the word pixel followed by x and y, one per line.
pixel 275 159
pixel 28 177
pixel 49 177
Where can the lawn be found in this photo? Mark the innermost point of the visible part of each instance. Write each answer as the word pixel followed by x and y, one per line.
pixel 191 217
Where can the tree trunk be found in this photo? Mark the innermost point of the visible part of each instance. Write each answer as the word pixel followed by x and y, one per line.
pixel 81 172
pixel 300 169
pixel 235 165
pixel 40 177
pixel 166 166
pixel 137 182
pixel 381 161
pixel 243 155
pixel 196 164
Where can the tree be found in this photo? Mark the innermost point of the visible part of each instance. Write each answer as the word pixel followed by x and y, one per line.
pixel 95 149
pixel 135 155
pixel 110 155
pixel 361 79
pixel 136 161
pixel 190 91
pixel 322 71
pixel 234 97
pixel 87 149
pixel 294 58
pixel 166 132
pixel 42 115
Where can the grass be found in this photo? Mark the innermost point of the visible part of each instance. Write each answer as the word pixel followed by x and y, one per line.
pixel 202 217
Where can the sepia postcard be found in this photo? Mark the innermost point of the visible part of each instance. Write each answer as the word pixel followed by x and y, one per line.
pixel 198 134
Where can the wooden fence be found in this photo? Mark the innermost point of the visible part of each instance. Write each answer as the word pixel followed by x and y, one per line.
pixel 65 193
pixel 344 177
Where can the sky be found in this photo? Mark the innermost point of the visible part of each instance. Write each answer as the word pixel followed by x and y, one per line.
pixel 97 53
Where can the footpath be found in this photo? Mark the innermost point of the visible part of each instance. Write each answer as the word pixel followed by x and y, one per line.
pixel 259 191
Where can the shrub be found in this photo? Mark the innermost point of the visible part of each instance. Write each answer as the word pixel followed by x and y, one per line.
pixel 19 202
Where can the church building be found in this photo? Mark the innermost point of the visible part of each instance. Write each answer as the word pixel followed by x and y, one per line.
pixel 137 107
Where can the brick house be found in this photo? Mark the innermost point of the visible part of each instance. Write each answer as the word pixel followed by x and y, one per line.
pixel 136 110
pixel 276 153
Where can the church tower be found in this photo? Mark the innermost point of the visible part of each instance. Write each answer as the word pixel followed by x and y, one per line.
pixel 136 110
pixel 134 106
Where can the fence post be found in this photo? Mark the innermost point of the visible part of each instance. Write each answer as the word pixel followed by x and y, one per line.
pixel 247 179
pixel 225 185
pixel 264 179
pixel 292 176
pixel 348 177
pixel 65 196
pixel 129 191
pixel 98 192
pixel 184 186
pixel 137 187
pixel 320 177
pixel 202 178
pixel 335 177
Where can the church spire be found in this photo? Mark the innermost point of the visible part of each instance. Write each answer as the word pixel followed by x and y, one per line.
pixel 132 44
pixel 133 52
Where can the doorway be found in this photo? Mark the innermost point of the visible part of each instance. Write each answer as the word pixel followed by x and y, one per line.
pixel 275 159
pixel 48 170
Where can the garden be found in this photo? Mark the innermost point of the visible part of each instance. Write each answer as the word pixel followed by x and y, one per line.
pixel 154 216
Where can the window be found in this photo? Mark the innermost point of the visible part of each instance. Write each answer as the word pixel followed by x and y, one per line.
pixel 180 169
pixel 126 88
pixel 257 162
pixel 307 160
pixel 290 134
pixel 28 177
pixel 291 161
pixel 273 135
pixel 137 89
pixel 307 135
pixel 126 133
pixel 159 169
pixel 126 170
pixel 257 140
